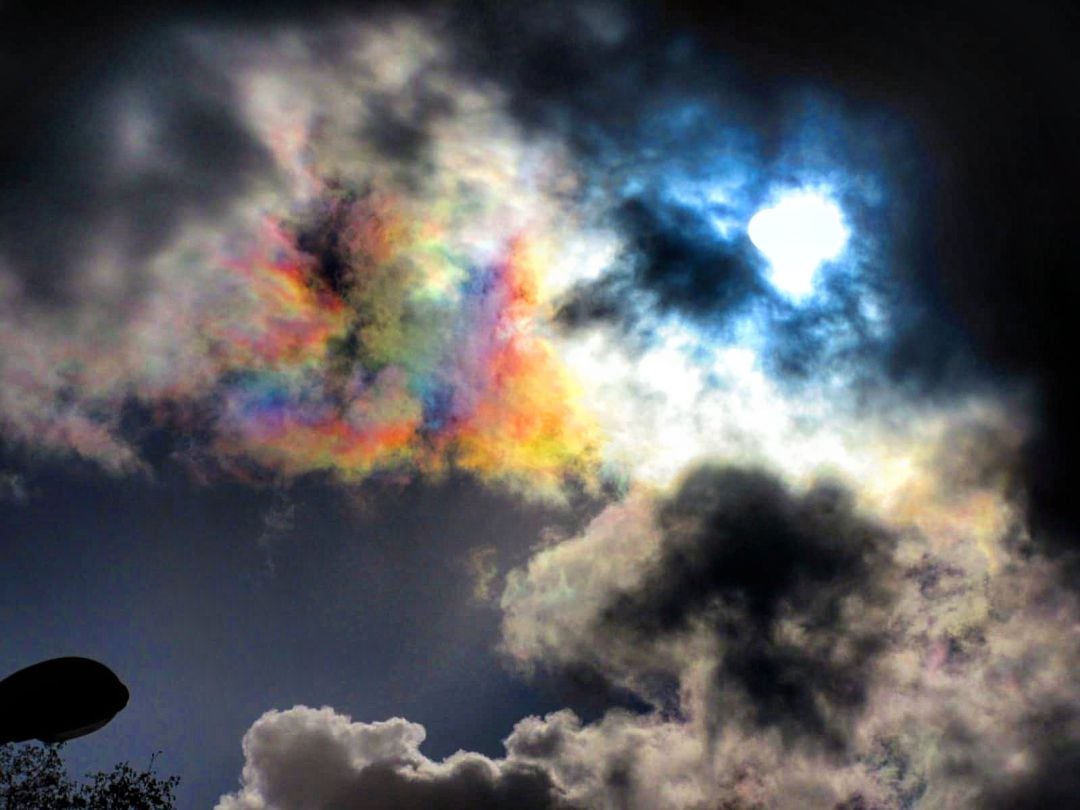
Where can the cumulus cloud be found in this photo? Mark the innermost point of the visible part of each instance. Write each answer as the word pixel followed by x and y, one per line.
pixel 310 759
pixel 314 759
pixel 776 604
pixel 803 648
pixel 795 593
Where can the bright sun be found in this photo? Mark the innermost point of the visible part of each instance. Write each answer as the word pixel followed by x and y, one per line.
pixel 798 233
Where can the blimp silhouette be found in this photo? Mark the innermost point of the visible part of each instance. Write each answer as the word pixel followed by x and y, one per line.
pixel 58 700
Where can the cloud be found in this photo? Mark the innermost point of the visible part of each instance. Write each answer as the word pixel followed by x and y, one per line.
pixel 314 759
pixel 381 292
pixel 987 239
pixel 794 591
pixel 677 254
pixel 808 651
pixel 278 522
pixel 13 487
pixel 779 601
pixel 830 559
pixel 116 157
pixel 929 137
pixel 349 313
pixel 307 759
pixel 679 148
pixel 481 564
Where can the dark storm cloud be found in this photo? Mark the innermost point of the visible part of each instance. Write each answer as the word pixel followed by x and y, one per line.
pixel 322 239
pixel 403 138
pixel 1052 779
pixel 749 560
pixel 676 254
pixel 115 132
pixel 552 58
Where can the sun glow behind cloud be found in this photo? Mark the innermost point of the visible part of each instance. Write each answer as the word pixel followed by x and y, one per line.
pixel 799 232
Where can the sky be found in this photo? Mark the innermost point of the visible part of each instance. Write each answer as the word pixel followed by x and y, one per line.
pixel 549 405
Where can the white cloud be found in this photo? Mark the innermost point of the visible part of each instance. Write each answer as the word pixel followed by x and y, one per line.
pixel 316 759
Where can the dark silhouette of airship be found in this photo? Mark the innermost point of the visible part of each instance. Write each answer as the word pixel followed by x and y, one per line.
pixel 58 700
